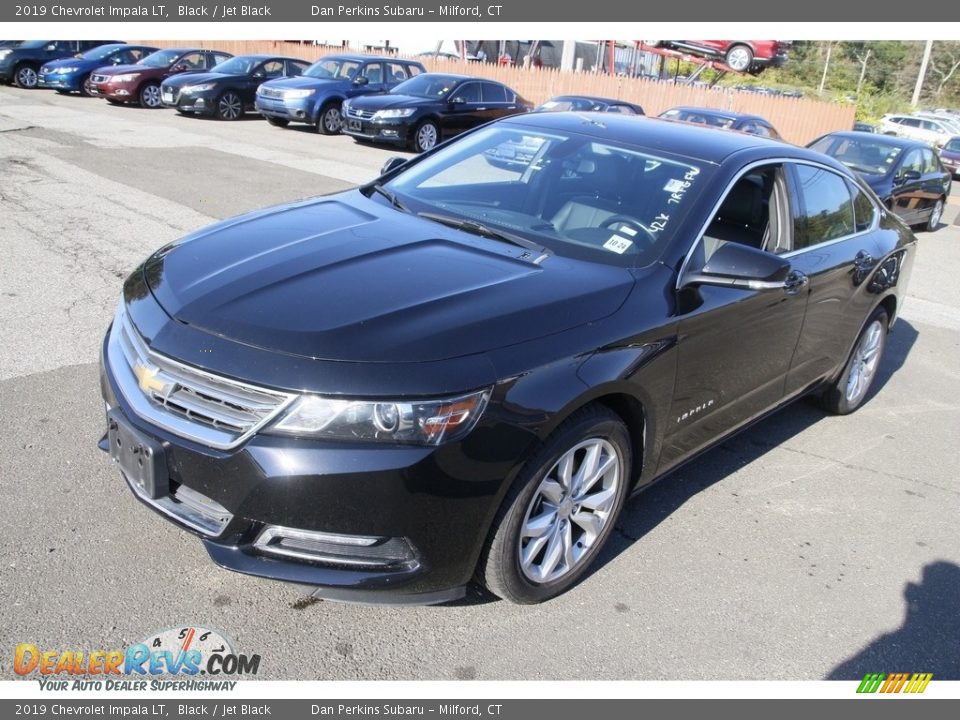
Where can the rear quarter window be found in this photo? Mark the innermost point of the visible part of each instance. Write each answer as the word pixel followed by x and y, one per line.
pixel 826 207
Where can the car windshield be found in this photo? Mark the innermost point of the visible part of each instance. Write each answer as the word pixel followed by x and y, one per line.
pixel 698 116
pixel 236 66
pixel 99 53
pixel 332 69
pixel 870 155
pixel 561 104
pixel 161 58
pixel 430 85
pixel 953 145
pixel 573 195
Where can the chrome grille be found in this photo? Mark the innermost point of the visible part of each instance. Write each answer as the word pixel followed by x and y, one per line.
pixel 271 93
pixel 362 114
pixel 187 401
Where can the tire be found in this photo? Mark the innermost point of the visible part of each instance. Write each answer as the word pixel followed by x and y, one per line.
pixel 229 106
pixel 84 86
pixel 25 76
pixel 426 136
pixel 149 96
pixel 935 214
pixel 544 537
pixel 112 101
pixel 329 121
pixel 853 385
pixel 739 58
pixel 277 122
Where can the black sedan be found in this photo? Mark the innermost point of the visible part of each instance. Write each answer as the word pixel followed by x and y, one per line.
pixel 460 370
pixel 905 174
pixel 428 108
pixel 726 120
pixel 229 89
pixel 588 103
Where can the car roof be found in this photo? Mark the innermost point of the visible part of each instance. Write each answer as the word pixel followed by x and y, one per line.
pixel 358 57
pixel 706 144
pixel 262 56
pixel 593 98
pixel 717 112
pixel 892 140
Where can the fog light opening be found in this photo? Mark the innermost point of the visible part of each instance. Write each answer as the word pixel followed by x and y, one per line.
pixel 335 548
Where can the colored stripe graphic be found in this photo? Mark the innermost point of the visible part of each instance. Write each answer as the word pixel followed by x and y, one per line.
pixel 870 682
pixel 894 683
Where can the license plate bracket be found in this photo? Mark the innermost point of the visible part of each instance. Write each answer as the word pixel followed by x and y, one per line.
pixel 354 125
pixel 140 458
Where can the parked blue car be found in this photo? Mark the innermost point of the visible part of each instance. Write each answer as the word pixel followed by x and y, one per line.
pixel 315 96
pixel 72 74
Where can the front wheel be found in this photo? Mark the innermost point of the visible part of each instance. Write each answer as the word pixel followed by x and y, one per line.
pixel 330 120
pixel 739 58
pixel 851 388
pixel 229 106
pixel 150 96
pixel 85 86
pixel 560 510
pixel 426 136
pixel 25 77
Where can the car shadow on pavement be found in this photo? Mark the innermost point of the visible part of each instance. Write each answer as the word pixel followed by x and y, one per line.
pixel 657 503
pixel 926 641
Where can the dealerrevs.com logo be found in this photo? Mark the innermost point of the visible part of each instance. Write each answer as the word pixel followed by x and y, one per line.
pixel 894 683
pixel 181 658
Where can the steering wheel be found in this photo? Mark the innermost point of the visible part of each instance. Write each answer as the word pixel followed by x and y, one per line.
pixel 631 222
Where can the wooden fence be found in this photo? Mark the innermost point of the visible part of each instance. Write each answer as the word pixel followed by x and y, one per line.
pixel 799 120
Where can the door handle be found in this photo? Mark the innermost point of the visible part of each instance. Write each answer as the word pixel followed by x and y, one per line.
pixel 795 282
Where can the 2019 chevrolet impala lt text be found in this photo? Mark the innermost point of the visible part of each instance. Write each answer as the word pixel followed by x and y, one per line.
pixel 463 369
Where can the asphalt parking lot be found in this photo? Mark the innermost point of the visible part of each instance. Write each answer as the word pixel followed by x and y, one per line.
pixel 808 547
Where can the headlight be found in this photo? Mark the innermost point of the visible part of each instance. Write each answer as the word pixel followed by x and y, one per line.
pixel 126 77
pixel 394 113
pixel 64 70
pixel 427 422
pixel 199 88
pixel 297 94
pixel 4 53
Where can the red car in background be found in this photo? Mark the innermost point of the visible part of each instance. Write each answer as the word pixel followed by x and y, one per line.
pixel 140 83
pixel 752 56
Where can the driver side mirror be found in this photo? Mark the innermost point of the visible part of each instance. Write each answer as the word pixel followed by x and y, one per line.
pixel 392 164
pixel 458 100
pixel 259 74
pixel 362 80
pixel 179 67
pixel 741 266
pixel 910 175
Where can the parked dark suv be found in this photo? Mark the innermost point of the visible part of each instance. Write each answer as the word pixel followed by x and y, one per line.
pixel 315 96
pixel 463 371
pixel 140 83
pixel 21 64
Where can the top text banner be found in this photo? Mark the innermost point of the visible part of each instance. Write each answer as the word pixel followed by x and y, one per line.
pixel 437 11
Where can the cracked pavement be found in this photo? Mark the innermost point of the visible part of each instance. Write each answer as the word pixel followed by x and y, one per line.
pixel 807 547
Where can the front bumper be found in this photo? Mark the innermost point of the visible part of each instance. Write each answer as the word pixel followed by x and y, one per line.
pixel 122 92
pixel 299 110
pixel 198 103
pixel 6 73
pixel 58 81
pixel 427 509
pixel 393 132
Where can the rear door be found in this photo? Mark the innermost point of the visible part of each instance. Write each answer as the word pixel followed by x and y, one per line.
pixel 834 246
pixel 908 197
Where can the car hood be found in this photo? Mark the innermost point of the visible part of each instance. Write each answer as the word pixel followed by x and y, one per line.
pixel 346 278
pixel 299 81
pixel 380 101
pixel 123 69
pixel 196 78
pixel 71 62
pixel 880 184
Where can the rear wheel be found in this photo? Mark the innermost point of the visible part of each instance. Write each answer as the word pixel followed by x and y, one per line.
pixel 85 86
pixel 277 122
pixel 229 106
pixel 739 58
pixel 149 96
pixel 25 76
pixel 330 120
pixel 560 510
pixel 935 214
pixel 851 388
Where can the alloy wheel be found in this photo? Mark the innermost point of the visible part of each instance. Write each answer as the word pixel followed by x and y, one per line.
pixel 229 106
pixel 866 358
pixel 150 96
pixel 427 136
pixel 332 120
pixel 569 510
pixel 739 58
pixel 27 77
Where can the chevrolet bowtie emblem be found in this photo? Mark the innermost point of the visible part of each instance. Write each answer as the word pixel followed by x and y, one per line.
pixel 147 378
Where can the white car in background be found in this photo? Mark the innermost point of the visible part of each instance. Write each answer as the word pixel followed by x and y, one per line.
pixel 933 131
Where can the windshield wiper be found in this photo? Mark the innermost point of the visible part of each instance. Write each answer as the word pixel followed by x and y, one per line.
pixel 394 200
pixel 477 228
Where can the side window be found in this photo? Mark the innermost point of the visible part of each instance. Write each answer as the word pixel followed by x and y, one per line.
pixel 216 58
pixel 374 73
pixel 470 93
pixel 493 93
pixel 296 67
pixel 826 207
pixel 913 161
pixel 191 61
pixel 134 55
pixel 864 211
pixel 272 68
pixel 396 73
pixel 930 163
pixel 910 122
pixel 750 214
pixel 413 70
pixel 622 109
